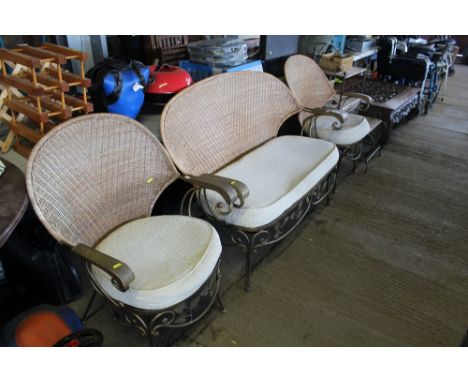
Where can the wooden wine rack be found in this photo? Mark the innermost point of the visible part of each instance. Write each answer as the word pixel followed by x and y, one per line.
pixel 33 92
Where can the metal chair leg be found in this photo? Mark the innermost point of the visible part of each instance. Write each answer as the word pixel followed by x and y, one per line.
pixel 151 340
pixel 221 306
pixel 355 165
pixel 248 268
pixel 86 316
pixel 88 307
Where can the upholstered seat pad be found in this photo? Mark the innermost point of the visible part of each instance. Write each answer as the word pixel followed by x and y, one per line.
pixel 277 174
pixel 353 130
pixel 171 257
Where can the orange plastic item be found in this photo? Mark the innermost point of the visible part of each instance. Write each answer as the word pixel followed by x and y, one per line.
pixel 41 329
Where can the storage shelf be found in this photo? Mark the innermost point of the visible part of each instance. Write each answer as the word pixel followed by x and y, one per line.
pixel 35 89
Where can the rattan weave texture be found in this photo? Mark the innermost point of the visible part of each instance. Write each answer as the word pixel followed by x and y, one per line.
pixel 308 83
pixel 93 173
pixel 217 120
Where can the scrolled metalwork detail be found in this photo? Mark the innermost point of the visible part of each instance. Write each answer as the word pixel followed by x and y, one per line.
pixel 221 209
pixel 354 153
pixel 129 318
pixel 241 239
pixel 309 125
pixel 187 201
pixel 250 240
pixel 150 322
pixel 364 106
pixel 287 222
pixel 336 125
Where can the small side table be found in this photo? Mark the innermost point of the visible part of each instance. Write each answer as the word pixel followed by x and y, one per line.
pixel 391 103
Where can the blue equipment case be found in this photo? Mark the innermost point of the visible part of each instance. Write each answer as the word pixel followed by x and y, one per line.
pixel 132 94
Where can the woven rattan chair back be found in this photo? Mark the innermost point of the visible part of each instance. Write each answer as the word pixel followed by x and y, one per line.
pixel 217 120
pixel 93 173
pixel 307 81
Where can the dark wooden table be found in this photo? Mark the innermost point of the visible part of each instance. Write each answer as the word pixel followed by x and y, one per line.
pixel 391 110
pixel 13 200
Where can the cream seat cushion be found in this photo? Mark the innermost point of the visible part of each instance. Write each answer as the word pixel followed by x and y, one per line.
pixel 277 174
pixel 353 130
pixel 171 257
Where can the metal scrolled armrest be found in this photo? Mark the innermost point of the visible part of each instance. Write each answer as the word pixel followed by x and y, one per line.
pixel 121 274
pixel 317 112
pixel 366 100
pixel 233 191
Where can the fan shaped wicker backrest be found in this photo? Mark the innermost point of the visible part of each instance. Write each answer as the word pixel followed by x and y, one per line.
pixel 93 173
pixel 308 83
pixel 215 121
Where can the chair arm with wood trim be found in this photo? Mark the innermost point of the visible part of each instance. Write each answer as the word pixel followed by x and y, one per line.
pixel 317 112
pixel 121 274
pixel 234 192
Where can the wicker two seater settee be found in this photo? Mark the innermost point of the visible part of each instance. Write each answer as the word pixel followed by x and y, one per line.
pixel 221 134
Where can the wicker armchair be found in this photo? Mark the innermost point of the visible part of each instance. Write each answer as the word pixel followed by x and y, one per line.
pixel 93 182
pixel 221 133
pixel 312 90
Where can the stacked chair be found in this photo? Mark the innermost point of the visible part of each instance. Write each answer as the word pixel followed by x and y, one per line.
pixel 93 182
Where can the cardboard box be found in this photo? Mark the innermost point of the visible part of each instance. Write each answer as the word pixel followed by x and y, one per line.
pixel 335 62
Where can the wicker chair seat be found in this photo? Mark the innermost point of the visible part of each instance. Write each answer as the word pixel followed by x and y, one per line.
pixel 278 174
pixel 171 257
pixel 353 130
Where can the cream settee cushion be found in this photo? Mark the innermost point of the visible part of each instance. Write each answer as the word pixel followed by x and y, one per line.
pixel 277 174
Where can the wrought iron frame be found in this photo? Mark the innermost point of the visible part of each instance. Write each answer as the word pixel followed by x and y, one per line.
pixel 249 240
pixel 150 322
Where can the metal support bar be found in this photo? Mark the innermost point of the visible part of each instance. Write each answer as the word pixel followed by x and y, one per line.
pixel 88 307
